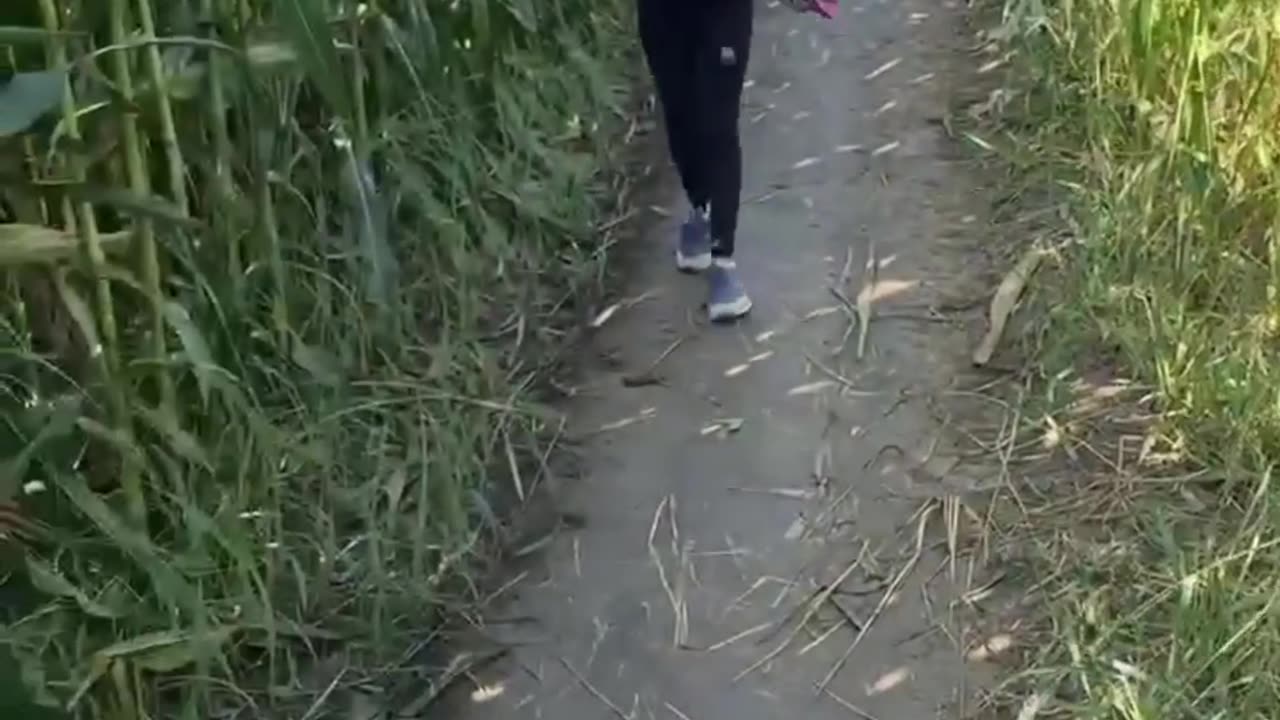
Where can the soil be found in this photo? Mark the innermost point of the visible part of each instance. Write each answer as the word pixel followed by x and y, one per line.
pixel 774 525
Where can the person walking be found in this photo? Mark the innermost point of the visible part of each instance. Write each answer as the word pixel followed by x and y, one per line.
pixel 697 52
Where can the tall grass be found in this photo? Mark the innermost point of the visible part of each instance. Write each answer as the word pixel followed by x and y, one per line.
pixel 1163 117
pixel 273 272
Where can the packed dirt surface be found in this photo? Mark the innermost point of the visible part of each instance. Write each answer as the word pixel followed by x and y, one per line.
pixel 769 518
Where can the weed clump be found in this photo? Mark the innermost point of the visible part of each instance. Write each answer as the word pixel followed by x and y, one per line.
pixel 1160 117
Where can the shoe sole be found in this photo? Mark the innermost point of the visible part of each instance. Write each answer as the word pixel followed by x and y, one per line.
pixel 728 312
pixel 694 263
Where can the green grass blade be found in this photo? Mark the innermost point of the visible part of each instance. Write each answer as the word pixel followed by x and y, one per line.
pixel 307 26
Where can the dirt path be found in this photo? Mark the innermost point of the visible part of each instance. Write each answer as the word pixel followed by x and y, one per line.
pixel 704 549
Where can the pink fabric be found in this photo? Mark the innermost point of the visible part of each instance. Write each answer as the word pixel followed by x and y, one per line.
pixel 825 8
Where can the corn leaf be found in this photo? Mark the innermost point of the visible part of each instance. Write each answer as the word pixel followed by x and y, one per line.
pixel 80 312
pixel 28 97
pixel 62 418
pixel 167 583
pixel 181 442
pixel 369 222
pixel 305 23
pixel 33 244
pixel 144 206
pixel 195 346
pixel 168 650
pixel 18 35
pixel 48 580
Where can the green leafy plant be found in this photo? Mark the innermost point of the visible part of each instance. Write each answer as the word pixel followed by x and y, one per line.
pixel 1162 118
pixel 273 270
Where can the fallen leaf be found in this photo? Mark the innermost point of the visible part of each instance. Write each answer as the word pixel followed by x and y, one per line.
pixel 605 314
pixel 723 426
pixel 870 275
pixel 810 388
pixel 886 148
pixel 796 531
pixel 1004 302
pixel 883 69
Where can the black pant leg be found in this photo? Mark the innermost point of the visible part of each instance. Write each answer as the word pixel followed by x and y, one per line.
pixel 669 33
pixel 723 53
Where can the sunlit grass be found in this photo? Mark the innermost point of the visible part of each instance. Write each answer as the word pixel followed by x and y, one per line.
pixel 256 384
pixel 1162 119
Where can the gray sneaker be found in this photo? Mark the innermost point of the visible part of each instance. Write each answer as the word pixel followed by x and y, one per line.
pixel 693 250
pixel 727 300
